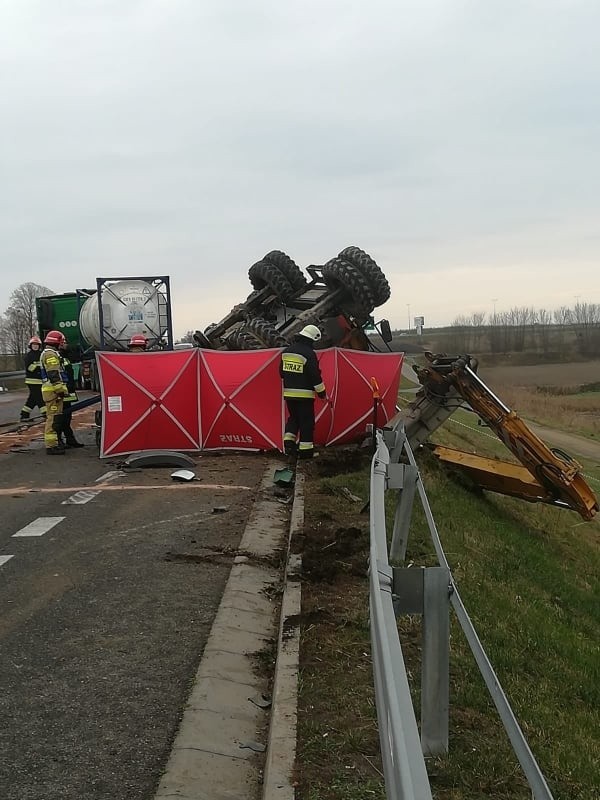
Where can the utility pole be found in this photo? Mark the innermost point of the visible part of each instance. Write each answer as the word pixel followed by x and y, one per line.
pixel 494 301
pixel 408 308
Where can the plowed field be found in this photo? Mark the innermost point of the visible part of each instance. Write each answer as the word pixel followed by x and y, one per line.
pixel 573 374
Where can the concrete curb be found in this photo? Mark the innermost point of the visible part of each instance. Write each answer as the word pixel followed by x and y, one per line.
pixel 279 779
pixel 213 755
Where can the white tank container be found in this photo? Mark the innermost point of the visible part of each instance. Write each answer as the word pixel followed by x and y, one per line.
pixel 128 307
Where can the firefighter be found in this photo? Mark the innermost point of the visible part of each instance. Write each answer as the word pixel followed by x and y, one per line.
pixel 54 390
pixel 138 343
pixel 33 379
pixel 302 380
pixel 69 379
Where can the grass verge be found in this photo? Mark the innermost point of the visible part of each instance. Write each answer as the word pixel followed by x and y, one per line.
pixel 529 578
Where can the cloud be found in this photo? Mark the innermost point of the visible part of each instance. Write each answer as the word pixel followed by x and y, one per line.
pixel 185 138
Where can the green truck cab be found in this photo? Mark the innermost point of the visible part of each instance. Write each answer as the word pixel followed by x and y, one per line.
pixel 60 312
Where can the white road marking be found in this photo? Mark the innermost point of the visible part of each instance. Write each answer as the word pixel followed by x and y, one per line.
pixel 4 559
pixel 79 498
pixel 39 526
pixel 84 496
pixel 110 476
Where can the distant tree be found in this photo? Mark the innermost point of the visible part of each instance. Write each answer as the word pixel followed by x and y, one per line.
pixel 3 335
pixel 586 320
pixel 19 322
pixel 477 321
pixel 563 316
pixel 543 318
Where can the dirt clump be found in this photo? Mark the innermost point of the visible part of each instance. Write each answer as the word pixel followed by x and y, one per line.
pixel 327 553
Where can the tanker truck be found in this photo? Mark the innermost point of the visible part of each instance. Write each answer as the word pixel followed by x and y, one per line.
pixel 105 318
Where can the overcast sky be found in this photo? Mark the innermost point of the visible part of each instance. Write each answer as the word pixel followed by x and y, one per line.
pixel 456 141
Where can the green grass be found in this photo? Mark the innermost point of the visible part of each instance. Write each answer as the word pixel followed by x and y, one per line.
pixel 530 583
pixel 528 575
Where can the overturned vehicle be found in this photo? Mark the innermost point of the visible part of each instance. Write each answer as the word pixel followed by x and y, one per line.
pixel 338 297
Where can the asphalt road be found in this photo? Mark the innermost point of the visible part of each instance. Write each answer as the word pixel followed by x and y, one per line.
pixel 11 404
pixel 105 616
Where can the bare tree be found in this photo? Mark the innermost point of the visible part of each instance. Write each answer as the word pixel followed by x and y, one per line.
pixel 460 339
pixel 586 319
pixel 563 316
pixel 543 318
pixel 477 321
pixel 20 318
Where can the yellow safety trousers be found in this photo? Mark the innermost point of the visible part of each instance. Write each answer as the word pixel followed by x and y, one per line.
pixel 54 408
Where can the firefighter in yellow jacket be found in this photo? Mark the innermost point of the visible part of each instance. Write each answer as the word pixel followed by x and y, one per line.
pixel 54 390
pixel 33 379
pixel 301 375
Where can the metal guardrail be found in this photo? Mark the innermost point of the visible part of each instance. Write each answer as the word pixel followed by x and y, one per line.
pixel 404 766
pixel 394 590
pixel 20 373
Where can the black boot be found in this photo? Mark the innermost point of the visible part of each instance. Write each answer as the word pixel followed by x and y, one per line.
pixel 55 451
pixel 306 454
pixel 72 442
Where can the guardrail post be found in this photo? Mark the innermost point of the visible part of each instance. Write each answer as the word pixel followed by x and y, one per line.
pixel 435 670
pixel 404 478
pixel 425 591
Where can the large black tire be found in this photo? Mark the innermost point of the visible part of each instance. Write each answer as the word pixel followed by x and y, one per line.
pixel 202 340
pixel 265 332
pixel 339 274
pixel 263 274
pixel 288 267
pixel 242 340
pixel 380 288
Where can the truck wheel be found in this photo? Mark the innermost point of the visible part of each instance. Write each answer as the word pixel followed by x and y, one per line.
pixel 380 288
pixel 339 274
pixel 202 340
pixel 288 267
pixel 241 340
pixel 262 275
pixel 265 332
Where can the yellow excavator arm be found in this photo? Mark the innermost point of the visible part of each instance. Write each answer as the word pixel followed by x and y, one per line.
pixel 551 476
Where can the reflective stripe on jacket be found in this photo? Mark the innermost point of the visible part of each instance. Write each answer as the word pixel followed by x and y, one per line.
pixel 52 373
pixel 69 378
pixel 33 373
pixel 299 369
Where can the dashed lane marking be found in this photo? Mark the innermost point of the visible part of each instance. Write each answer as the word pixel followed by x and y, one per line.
pixel 4 559
pixel 80 498
pixel 84 496
pixel 39 526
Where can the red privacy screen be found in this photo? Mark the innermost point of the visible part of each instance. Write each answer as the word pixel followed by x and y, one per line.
pixel 197 399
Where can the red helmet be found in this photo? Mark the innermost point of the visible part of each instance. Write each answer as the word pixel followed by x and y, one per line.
pixel 138 340
pixel 35 340
pixel 55 338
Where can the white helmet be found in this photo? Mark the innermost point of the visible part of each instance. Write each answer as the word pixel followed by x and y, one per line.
pixel 311 332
